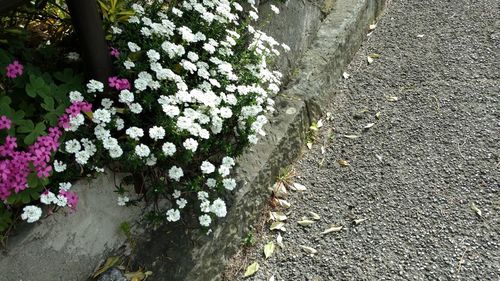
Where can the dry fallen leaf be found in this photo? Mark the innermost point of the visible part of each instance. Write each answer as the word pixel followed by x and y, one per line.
pixel 368 126
pixel 332 229
pixel 251 269
pixel 309 145
pixel 283 203
pixel 369 60
pixel 319 124
pixel 279 190
pixel 351 136
pixel 277 225
pixel 277 216
pixel 309 250
pixel 476 209
pixel 346 75
pixel 298 187
pixel 420 35
pixel 378 114
pixel 392 98
pixel 314 216
pixel 269 249
pixel 358 221
pixel 372 26
pixel 305 222
pixel 279 240
pixel 323 151
pixel 110 262
pixel 374 56
pixel 343 163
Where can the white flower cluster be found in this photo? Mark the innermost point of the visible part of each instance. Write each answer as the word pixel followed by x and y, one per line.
pixel 187 92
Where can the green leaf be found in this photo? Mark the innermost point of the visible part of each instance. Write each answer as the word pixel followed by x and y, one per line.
pixel 48 103
pixel 251 269
pixel 33 180
pixel 25 126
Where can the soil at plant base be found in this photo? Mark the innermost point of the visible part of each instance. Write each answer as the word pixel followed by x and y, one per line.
pixel 425 175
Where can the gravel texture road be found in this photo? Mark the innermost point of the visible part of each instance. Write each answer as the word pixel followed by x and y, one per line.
pixel 425 176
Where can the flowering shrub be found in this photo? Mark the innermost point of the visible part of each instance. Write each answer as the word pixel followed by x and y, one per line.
pixel 193 89
pixel 30 136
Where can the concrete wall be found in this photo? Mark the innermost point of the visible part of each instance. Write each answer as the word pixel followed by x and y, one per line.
pixel 68 247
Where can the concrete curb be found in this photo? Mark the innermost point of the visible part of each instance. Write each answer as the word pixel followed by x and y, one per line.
pixel 338 38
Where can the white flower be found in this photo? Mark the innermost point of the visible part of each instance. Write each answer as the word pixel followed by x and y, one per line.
pixel 106 103
pixel 122 201
pixel 211 183
pixel 175 173
pixel 101 116
pixel 119 124
pixel 253 139
pixel 176 194
pixel 133 47
pixel 189 66
pixel 157 133
pixel 151 161
pixel 73 56
pixel 229 184
pixel 205 220
pixel 115 152
pixel 128 64
pixel 209 48
pixel 135 108
pixel 82 157
pixel 95 86
pixel 224 170
pixel 193 56
pixel 126 96
pixel 31 213
pixel 228 161
pixel 202 195
pixel 48 198
pixel 205 206
pixel 275 9
pixel 190 144
pixel 59 166
pixel 75 96
pixel 186 33
pixel 225 112
pixel 142 150
pixel 153 55
pixel 61 201
pixel 253 15
pixel 177 12
pixel 72 146
pixel 173 215
pixel 207 167
pixel 64 186
pixel 116 30
pixel 181 203
pixel 218 207
pixel 134 133
pixel 168 149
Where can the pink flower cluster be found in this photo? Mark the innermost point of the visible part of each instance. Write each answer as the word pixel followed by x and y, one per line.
pixel 119 83
pixel 15 166
pixel 114 52
pixel 71 197
pixel 73 110
pixel 14 69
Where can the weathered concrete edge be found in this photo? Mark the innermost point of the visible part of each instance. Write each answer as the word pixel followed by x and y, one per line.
pixel 338 39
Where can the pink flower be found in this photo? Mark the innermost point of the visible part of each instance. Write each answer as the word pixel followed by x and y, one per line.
pixel 5 122
pixel 114 52
pixel 14 69
pixel 71 197
pixel 119 83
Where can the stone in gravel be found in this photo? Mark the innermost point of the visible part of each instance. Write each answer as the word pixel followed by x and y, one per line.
pixel 112 274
